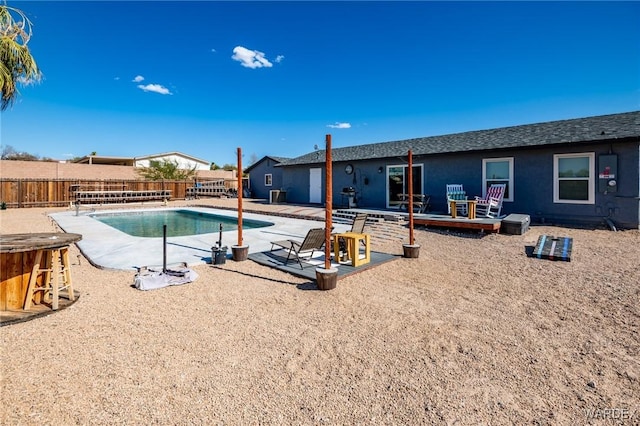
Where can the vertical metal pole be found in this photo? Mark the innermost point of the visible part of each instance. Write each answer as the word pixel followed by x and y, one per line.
pixel 164 248
pixel 410 183
pixel 328 210
pixel 240 196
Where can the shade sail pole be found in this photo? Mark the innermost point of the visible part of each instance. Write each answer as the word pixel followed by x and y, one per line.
pixel 410 184
pixel 328 204
pixel 239 196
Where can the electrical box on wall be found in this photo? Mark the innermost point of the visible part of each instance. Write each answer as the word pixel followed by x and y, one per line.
pixel 608 173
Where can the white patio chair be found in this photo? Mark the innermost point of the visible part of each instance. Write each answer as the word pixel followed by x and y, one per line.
pixel 455 191
pixel 491 204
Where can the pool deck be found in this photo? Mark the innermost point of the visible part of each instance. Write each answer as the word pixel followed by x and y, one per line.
pixel 106 247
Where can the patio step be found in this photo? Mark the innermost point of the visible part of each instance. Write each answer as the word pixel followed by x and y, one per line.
pixel 383 225
pixel 372 215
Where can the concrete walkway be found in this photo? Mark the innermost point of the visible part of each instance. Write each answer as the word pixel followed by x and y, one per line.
pixel 109 248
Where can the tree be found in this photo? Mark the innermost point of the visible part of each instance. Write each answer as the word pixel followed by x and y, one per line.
pixel 9 153
pixel 167 170
pixel 16 63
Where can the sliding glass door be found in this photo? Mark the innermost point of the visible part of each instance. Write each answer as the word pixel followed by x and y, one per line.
pixel 398 182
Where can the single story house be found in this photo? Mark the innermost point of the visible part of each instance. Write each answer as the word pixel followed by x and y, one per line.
pixel 268 177
pixel 105 160
pixel 184 161
pixel 576 171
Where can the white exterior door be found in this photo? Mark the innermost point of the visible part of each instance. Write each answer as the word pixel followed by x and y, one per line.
pixel 315 186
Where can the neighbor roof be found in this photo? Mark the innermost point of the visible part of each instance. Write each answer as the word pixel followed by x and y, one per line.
pixel 101 159
pixel 590 129
pixel 168 154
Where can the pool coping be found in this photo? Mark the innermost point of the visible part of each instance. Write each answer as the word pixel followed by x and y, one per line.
pixel 108 248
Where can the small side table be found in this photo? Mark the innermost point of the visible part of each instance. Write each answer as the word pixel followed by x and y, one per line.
pixel 471 208
pixel 353 247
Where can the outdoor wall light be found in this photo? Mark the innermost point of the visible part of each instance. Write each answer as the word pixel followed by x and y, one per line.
pixel 380 169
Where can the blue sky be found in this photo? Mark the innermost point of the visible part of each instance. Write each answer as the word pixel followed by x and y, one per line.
pixel 203 78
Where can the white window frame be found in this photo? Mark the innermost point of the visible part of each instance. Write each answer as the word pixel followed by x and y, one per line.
pixel 509 181
pixel 268 179
pixel 591 179
pixel 421 165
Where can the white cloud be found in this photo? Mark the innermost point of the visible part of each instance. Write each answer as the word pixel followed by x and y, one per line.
pixel 279 59
pixel 250 58
pixel 340 125
pixel 157 88
pixel 138 79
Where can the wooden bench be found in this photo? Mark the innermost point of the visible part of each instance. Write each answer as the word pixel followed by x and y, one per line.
pixel 207 189
pixel 121 196
pixel 420 202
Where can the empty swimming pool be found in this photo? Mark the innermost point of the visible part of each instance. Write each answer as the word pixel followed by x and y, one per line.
pixel 179 223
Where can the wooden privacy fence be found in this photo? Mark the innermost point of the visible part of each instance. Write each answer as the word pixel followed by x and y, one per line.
pixel 62 192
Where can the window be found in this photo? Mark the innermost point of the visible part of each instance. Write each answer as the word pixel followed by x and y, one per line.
pixel 574 178
pixel 498 170
pixel 268 179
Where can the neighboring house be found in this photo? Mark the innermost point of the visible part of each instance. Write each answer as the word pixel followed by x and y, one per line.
pixel 184 161
pixel 103 160
pixel 576 171
pixel 264 176
pixel 109 168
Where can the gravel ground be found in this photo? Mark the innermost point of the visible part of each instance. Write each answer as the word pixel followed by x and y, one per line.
pixel 472 332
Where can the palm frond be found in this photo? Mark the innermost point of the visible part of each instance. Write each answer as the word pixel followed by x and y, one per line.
pixel 17 65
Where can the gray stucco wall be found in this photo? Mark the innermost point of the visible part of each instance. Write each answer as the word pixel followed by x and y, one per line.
pixel 295 180
pixel 533 183
pixel 256 178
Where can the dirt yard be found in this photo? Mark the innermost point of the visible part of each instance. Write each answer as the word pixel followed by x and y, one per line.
pixel 472 332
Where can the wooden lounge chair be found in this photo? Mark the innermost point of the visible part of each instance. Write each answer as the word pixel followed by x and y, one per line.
pixel 491 204
pixel 314 240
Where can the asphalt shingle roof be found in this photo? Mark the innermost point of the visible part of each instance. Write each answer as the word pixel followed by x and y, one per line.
pixel 279 159
pixel 590 129
pixel 272 157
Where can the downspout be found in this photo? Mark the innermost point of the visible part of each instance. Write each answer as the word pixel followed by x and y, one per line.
pixel 609 222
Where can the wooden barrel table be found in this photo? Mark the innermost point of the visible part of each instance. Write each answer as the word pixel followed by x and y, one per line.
pixel 18 254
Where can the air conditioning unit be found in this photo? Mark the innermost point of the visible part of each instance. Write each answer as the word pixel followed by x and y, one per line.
pixel 277 196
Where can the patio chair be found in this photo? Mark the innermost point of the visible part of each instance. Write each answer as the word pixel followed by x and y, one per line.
pixel 359 221
pixel 314 240
pixel 455 191
pixel 491 204
pixel 357 227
